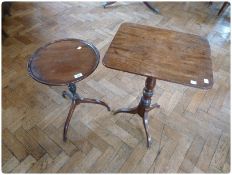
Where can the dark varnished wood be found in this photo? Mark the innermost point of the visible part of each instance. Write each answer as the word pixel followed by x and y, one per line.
pixel 57 62
pixel 68 119
pixel 151 7
pixel 164 54
pixel 224 6
pixel 144 106
pixel 76 100
pixel 146 3
pixel 159 54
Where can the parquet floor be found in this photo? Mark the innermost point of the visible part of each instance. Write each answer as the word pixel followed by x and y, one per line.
pixel 196 135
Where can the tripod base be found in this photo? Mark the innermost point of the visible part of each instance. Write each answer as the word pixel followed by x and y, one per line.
pixel 76 100
pixel 144 106
pixel 155 10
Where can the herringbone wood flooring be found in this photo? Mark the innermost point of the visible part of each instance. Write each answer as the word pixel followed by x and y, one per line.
pixel 196 135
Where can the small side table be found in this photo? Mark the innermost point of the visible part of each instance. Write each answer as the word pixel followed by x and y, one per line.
pixel 65 62
pixel 159 54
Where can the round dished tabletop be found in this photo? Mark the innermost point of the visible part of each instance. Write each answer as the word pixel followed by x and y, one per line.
pixel 63 61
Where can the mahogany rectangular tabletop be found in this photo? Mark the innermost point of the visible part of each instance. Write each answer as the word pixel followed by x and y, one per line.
pixel 160 53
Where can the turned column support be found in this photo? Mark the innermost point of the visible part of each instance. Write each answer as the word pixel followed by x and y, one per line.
pixel 144 106
pixel 145 101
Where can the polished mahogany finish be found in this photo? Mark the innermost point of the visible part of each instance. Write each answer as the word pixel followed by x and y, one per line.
pixel 164 54
pixel 159 54
pixel 63 61
pixel 76 100
pixel 144 106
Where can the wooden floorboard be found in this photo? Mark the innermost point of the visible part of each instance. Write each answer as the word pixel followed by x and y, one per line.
pixel 195 123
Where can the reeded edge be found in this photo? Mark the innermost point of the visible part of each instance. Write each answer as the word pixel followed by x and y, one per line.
pixel 90 45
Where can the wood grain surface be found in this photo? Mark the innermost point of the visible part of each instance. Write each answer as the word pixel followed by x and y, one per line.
pixel 63 61
pixel 196 135
pixel 164 54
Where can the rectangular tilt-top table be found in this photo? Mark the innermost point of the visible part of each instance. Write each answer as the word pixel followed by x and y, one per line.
pixel 159 54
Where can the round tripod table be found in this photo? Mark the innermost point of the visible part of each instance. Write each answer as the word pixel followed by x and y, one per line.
pixel 65 62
